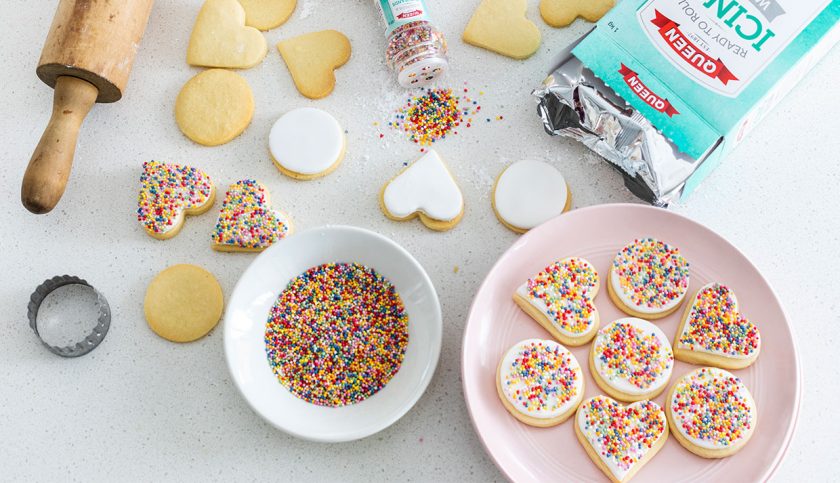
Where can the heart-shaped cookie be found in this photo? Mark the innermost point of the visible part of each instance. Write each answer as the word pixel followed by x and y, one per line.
pixel 267 14
pixel 312 60
pixel 425 189
pixel 561 299
pixel 711 412
pixel 501 26
pixel 619 439
pixel 221 39
pixel 713 331
pixel 247 223
pixel 560 13
pixel 170 192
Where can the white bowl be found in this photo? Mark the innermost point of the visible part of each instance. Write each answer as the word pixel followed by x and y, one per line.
pixel 257 291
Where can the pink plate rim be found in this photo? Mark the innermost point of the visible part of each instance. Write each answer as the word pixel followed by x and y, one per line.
pixel 594 211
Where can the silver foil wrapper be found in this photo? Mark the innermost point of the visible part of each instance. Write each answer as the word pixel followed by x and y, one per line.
pixel 575 103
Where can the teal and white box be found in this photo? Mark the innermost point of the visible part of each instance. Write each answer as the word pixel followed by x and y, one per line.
pixel 702 72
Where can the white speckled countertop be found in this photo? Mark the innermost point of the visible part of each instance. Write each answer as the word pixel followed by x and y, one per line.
pixel 140 407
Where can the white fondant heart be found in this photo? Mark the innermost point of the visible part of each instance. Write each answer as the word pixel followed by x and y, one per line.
pixel 426 188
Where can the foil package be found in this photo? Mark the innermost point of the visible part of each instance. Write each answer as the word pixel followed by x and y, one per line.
pixel 575 103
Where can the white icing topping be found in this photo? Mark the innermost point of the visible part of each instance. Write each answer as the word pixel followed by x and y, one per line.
pixel 307 141
pixel 529 193
pixel 643 369
pixel 645 419
pixel 552 386
pixel 735 414
pixel 696 347
pixel 427 187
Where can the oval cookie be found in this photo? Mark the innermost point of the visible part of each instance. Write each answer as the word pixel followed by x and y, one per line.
pixel 648 279
pixel 711 412
pixel 540 382
pixel 306 143
pixel 631 359
pixel 529 193
pixel 214 107
pixel 183 303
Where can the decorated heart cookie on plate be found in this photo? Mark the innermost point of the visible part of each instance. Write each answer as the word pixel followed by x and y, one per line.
pixel 312 60
pixel 247 223
pixel 619 439
pixel 501 26
pixel 540 382
pixel 631 359
pixel 648 279
pixel 221 39
pixel 711 412
pixel 427 190
pixel 561 299
pixel 713 331
pixel 170 192
pixel 560 13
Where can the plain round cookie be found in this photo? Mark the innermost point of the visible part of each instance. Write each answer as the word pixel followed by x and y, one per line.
pixel 214 107
pixel 571 405
pixel 307 143
pixel 529 193
pixel 183 303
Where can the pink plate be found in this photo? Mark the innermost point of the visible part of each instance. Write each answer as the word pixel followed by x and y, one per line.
pixel 596 233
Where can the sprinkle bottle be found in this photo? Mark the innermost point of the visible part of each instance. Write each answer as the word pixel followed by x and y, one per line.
pixel 416 49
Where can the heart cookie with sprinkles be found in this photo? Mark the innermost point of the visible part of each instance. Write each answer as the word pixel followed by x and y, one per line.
pixel 170 192
pixel 713 331
pixel 561 299
pixel 540 382
pixel 648 279
pixel 711 412
pixel 247 223
pixel 619 439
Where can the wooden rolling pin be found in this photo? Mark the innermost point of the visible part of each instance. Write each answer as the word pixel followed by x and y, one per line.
pixel 87 58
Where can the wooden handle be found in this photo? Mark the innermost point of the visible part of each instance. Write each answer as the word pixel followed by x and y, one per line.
pixel 48 170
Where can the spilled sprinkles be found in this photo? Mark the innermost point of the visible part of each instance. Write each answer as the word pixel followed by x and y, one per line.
pixel 436 113
pixel 651 273
pixel 337 334
pixel 166 191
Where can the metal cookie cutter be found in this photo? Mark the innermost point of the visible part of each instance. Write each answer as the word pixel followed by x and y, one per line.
pixel 92 340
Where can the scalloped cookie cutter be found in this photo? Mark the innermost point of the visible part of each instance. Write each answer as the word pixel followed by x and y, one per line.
pixel 89 342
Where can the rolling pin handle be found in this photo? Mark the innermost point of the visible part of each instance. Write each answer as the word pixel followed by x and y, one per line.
pixel 48 170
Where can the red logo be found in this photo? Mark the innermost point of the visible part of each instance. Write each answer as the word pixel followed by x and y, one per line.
pixel 689 52
pixel 410 14
pixel 645 94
